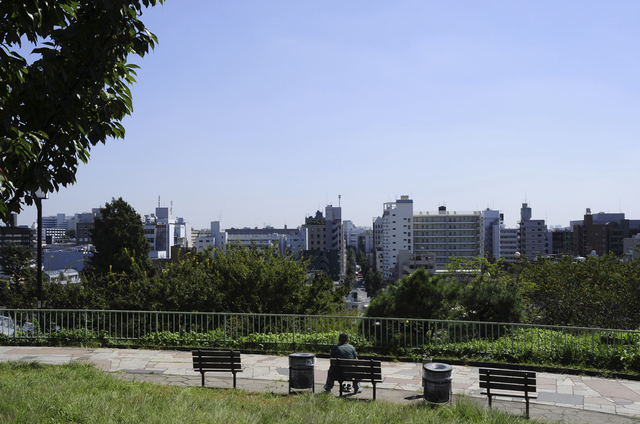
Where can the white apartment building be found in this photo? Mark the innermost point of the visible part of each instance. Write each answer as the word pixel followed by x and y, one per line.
pixel 396 234
pixel 163 232
pixel 508 243
pixel 447 234
pixel 429 239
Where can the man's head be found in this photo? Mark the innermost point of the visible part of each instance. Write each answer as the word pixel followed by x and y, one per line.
pixel 343 338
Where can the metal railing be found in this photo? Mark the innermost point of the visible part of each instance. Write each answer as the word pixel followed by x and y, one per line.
pixel 372 333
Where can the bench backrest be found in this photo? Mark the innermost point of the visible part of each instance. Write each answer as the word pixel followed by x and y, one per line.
pixel 216 360
pixel 512 380
pixel 357 369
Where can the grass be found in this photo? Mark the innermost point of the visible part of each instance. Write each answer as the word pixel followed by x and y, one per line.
pixel 79 393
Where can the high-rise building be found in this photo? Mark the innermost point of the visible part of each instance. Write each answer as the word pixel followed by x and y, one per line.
pixel 450 234
pixel 602 233
pixel 325 243
pixel 533 234
pixel 397 233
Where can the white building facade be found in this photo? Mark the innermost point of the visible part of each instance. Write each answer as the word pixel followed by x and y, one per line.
pixel 396 234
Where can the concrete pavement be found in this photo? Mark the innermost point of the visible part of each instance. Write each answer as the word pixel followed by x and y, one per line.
pixel 562 398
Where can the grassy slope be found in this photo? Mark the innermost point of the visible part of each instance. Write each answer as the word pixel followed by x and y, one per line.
pixel 79 393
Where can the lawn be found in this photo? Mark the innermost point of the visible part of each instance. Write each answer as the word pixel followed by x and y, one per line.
pixel 79 393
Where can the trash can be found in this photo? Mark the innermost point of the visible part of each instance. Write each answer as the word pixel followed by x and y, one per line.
pixel 436 379
pixel 301 371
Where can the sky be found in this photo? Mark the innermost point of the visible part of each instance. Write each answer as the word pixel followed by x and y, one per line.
pixel 259 113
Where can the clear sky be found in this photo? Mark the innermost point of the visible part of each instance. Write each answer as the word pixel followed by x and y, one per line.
pixel 262 112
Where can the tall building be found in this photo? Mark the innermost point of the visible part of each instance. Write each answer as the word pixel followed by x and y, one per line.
pixel 163 232
pixel 325 243
pixel 428 240
pixel 509 243
pixel 602 233
pixel 397 236
pixel 561 241
pixel 492 222
pixel 84 224
pixel 533 234
pixel 451 234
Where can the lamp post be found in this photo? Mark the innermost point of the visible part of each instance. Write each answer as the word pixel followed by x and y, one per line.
pixel 39 196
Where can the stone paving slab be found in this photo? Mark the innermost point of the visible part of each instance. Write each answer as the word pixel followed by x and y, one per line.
pixel 561 398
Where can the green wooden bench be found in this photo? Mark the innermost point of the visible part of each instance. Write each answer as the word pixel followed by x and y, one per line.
pixel 209 360
pixel 357 370
pixel 509 383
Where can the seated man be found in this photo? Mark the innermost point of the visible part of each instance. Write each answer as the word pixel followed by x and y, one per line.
pixel 342 350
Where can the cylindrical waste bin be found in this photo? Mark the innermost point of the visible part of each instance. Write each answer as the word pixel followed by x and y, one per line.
pixel 436 379
pixel 301 371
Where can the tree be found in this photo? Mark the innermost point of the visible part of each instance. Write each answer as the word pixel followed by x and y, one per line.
pixel 119 241
pixel 418 295
pixel 72 96
pixel 350 276
pixel 255 280
pixel 488 291
pixel 594 292
pixel 17 263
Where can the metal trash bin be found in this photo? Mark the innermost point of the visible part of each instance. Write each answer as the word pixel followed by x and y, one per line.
pixel 436 379
pixel 301 371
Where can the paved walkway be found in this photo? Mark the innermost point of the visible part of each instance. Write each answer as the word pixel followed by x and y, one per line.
pixel 562 398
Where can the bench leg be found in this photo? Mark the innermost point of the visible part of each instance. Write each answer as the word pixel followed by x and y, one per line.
pixel 374 390
pixel 234 380
pixel 202 373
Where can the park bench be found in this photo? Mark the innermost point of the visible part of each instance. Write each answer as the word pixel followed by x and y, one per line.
pixel 209 360
pixel 509 383
pixel 357 370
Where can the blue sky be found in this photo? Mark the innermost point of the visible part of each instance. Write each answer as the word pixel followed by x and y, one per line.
pixel 255 113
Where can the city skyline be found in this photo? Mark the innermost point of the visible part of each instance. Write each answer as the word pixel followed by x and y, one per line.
pixel 260 114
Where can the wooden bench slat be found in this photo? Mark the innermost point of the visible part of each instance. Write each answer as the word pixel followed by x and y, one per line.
pixel 215 354
pixel 531 382
pixel 362 370
pixel 515 395
pixel 511 387
pixel 519 379
pixel 218 367
pixel 360 377
pixel 508 373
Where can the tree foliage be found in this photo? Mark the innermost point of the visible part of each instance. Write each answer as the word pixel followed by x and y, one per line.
pixel 240 279
pixel 264 281
pixel 473 289
pixel 119 241
pixel 594 292
pixel 16 262
pixel 488 291
pixel 371 276
pixel 418 295
pixel 72 96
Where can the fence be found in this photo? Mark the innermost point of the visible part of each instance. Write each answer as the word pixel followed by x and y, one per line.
pixel 375 334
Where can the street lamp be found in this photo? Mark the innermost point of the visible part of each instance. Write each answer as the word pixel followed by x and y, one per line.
pixel 39 196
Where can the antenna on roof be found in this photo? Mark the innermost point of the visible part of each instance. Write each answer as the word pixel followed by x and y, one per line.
pixel 171 209
pixel 158 201
pixel 339 197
